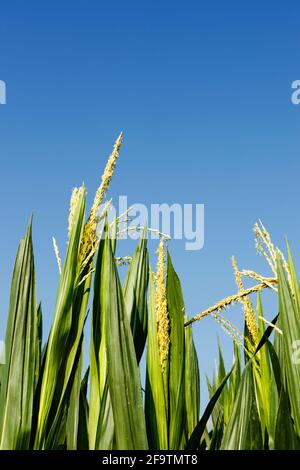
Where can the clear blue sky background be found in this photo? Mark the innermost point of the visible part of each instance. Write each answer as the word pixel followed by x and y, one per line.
pixel 202 92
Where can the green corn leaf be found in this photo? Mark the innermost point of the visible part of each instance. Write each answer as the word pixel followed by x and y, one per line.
pixel 155 406
pixel 219 374
pixel 135 295
pixel 19 372
pixel 123 372
pixel 197 434
pixel 275 391
pixel 265 333
pixel 65 333
pixel 101 425
pixel 243 431
pixel 290 326
pixel 83 418
pixel 39 336
pixel 176 357
pixel 192 383
pixel 285 436
pixel 73 404
pixel 224 401
pixel 217 434
pixel 233 383
pixel 294 279
pixel 59 432
pixel 276 369
pixel 262 375
pixel 222 370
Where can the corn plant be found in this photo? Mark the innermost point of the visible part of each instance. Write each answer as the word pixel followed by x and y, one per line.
pixel 72 392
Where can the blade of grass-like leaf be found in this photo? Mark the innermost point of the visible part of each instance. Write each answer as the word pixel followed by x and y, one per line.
pixel 275 366
pixel 65 333
pixel 155 406
pixel 290 326
pixel 194 441
pixel 18 374
pixel 135 295
pixel 39 337
pixel 243 432
pixel 294 279
pixel 73 405
pixel 83 436
pixel 176 356
pixel 223 402
pixel 192 383
pixel 266 335
pixel 275 390
pixel 285 437
pixel 233 382
pixel 217 434
pixel 101 426
pixel 262 373
pixel 123 372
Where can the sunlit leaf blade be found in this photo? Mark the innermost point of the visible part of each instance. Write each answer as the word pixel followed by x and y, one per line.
pixel 83 418
pixel 294 280
pixel 101 426
pixel 192 383
pixel 123 372
pixel 243 431
pixel 19 372
pixel 73 404
pixel 65 334
pixel 262 371
pixel 176 356
pixel 155 406
pixel 39 339
pixel 290 326
pixel 196 436
pixel 135 295
pixel 233 384
pixel 276 369
pixel 285 437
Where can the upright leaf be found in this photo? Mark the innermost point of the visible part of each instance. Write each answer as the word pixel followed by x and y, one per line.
pixel 176 357
pixel 123 372
pixel 194 441
pixel 285 436
pixel 101 425
pixel 243 432
pixel 18 374
pixel 290 326
pixel 192 383
pixel 135 295
pixel 155 405
pixel 73 404
pixel 65 335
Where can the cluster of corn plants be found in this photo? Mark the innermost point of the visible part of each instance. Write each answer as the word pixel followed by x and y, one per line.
pixel 49 398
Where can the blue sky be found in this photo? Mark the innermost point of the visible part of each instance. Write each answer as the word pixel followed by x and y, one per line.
pixel 202 92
